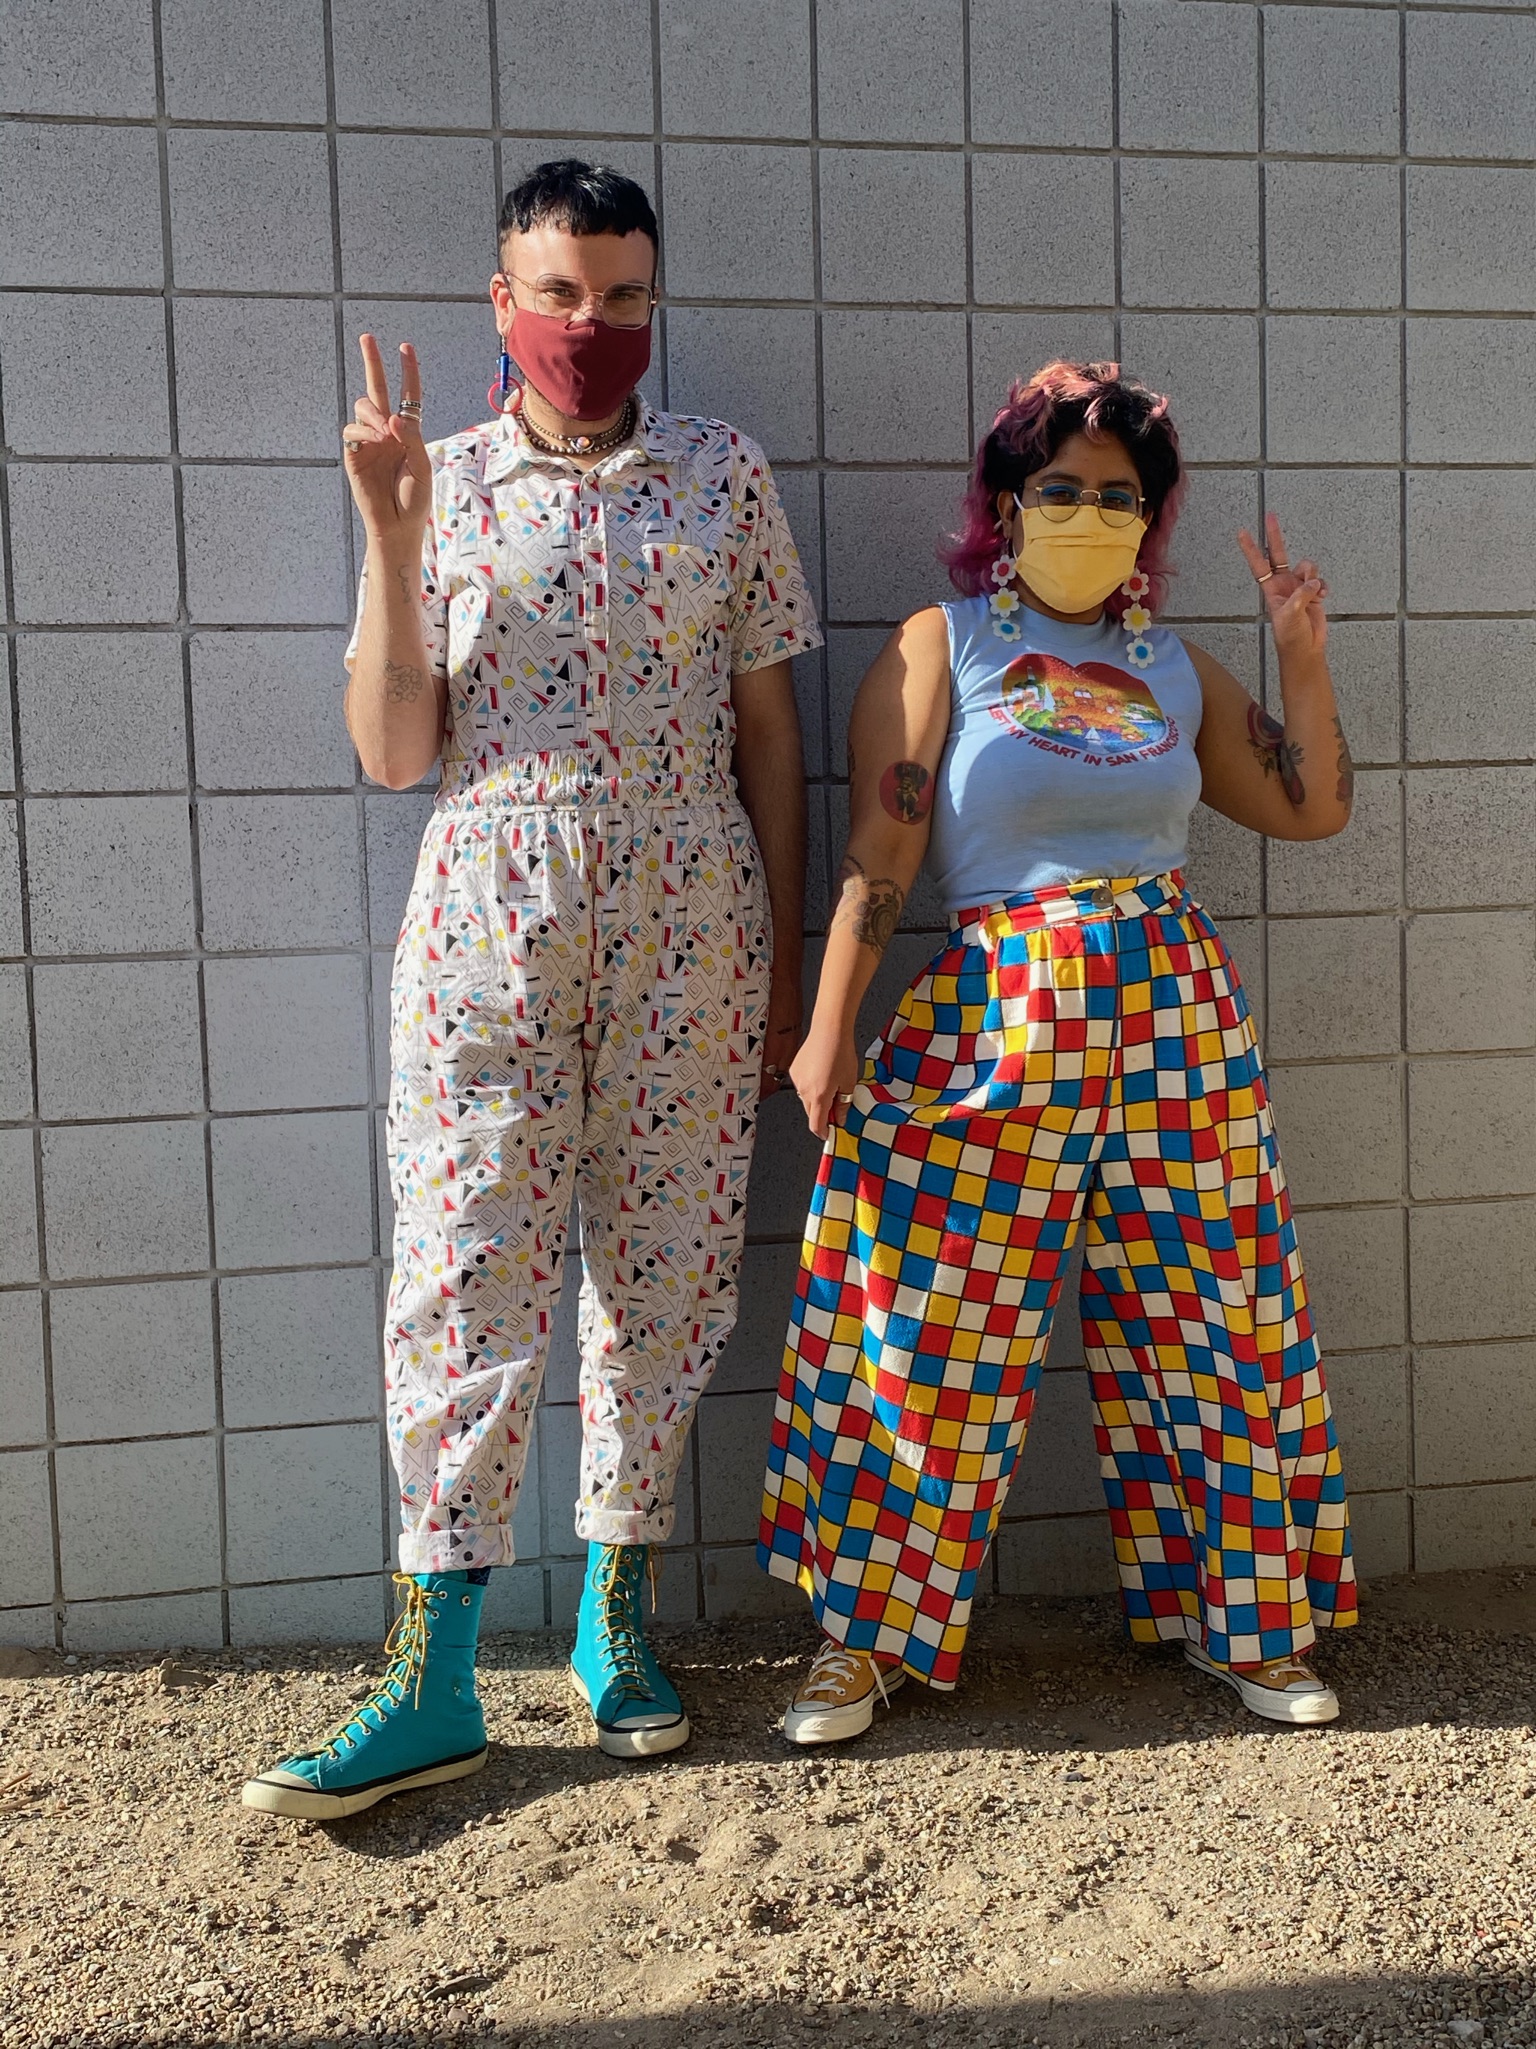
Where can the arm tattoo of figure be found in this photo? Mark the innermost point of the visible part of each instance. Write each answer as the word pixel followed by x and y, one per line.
pixel 906 791
pixel 1276 754
pixel 402 682
pixel 1346 789
pixel 405 582
pixel 871 909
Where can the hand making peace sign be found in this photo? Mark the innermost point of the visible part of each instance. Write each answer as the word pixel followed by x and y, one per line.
pixel 387 462
pixel 1294 594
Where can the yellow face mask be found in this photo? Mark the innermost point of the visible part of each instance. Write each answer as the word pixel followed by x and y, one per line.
pixel 1074 564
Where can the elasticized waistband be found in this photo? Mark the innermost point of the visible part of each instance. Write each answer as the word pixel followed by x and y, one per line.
pixel 600 778
pixel 1073 903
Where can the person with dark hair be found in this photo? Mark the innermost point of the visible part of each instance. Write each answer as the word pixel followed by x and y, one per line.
pixel 584 613
pixel 1078 1048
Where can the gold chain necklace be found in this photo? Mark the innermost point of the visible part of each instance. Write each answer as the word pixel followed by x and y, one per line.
pixel 584 444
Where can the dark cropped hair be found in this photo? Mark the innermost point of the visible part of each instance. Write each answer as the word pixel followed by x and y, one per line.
pixel 1041 413
pixel 585 199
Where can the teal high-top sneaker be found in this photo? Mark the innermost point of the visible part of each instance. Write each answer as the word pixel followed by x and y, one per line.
pixel 421 1725
pixel 633 1703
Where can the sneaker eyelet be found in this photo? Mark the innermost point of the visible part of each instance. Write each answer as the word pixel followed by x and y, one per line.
pixel 464 1600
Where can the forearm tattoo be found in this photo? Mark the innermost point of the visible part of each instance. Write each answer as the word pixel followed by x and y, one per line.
pixel 1276 755
pixel 870 908
pixel 405 583
pixel 1346 789
pixel 906 791
pixel 402 682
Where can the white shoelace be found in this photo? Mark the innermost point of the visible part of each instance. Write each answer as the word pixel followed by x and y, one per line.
pixel 833 1666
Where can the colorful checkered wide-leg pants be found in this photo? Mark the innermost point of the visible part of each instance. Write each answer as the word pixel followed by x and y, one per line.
pixel 1082 1047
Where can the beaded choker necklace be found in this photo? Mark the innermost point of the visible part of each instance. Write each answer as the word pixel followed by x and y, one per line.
pixel 585 444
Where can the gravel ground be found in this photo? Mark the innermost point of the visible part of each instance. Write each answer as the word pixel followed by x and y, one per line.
pixel 1087 1844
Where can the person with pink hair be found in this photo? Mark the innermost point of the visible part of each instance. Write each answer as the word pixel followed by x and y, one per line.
pixel 1076 1060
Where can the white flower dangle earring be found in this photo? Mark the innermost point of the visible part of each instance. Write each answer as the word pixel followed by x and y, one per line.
pixel 1139 650
pixel 1004 601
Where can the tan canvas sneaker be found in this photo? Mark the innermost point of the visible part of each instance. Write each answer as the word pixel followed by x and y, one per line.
pixel 836 1699
pixel 1287 1691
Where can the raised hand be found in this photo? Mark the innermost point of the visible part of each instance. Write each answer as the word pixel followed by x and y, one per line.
pixel 1294 594
pixel 387 463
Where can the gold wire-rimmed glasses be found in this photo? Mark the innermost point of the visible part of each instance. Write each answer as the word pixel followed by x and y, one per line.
pixel 1118 504
pixel 561 298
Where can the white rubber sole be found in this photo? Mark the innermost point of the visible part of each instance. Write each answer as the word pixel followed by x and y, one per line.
pixel 1300 1710
pixel 271 1794
pixel 631 1741
pixel 837 1724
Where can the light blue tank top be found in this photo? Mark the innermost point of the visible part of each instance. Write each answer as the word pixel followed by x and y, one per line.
pixel 1063 760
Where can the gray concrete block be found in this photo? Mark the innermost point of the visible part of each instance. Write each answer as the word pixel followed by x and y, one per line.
pixel 1453 366
pixel 1469 85
pixel 735 67
pixel 1225 865
pixel 1341 1131
pixel 1334 389
pixel 15 1045
pixel 1044 230
pixel 892 74
pixel 26 1545
pixel 8 776
pixel 1355 1277
pixel 279 872
pixel 1056 1556
pixel 892 225
pixel 850 651
pixel 895 387
pixel 1369 1391
pixel 264 546
pixel 1360 869
pixel 882 533
pixel 1364 657
pixel 1468 1529
pixel 1058 1471
pixel 783 1171
pixel 733 1447
pixel 1189 232
pixel 291 1191
pixel 1469 837
pixel 23 1393
pixel 300 1502
pixel 316 1611
pixel 1331 81
pixel 101 711
pixel 1347 522
pixel 18 1208
pixel 1382 1532
pixel 171 1622
pixel 750 1362
pixel 1471 980
pixel 1211 578
pixel 396 236
pixel 513 1600
pixel 164 1493
pixel 299 1348
pixel 1335 988
pixel 753 366
pixel 609 90
pixel 1472 1128
pixel 256 377
pixel 30 1628
pixel 456 345
pixel 250 211
pixel 1471 238
pixel 260 1010
pixel 711 189
pixel 1465 551
pixel 102 61
pixel 109 874
pixel 736 1586
pixel 93 544
pixel 1473 1418
pixel 394 829
pixel 267 62
pixel 53 347
pixel 397 67
pixel 800 495
pixel 1473 1276
pixel 1358 263
pixel 133 1361
pixel 1008 347
pixel 1068 48
pixel 809 673
pixel 118 1039
pixel 51 239
pixel 1163 40
pixel 10 881
pixel 1207 364
pixel 558 1440
pixel 267 711
pixel 125 1200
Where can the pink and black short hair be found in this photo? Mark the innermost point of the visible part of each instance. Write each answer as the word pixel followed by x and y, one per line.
pixel 1041 413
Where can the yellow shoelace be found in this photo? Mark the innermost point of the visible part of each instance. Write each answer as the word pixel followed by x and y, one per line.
pixel 406 1650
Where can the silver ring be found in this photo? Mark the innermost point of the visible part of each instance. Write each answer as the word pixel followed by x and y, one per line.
pixel 412 406
pixel 844 1099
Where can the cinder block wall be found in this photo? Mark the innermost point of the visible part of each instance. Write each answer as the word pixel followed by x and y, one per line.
pixel 1314 225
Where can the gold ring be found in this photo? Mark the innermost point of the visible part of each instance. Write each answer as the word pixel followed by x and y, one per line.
pixel 1265 577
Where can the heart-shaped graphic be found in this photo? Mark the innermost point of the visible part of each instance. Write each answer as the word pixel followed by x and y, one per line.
pixel 1094 709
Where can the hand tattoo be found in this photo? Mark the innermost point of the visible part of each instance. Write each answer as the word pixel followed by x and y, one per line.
pixel 871 909
pixel 1346 790
pixel 1276 754
pixel 906 791
pixel 402 682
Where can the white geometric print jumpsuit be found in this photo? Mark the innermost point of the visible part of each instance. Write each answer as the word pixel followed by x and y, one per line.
pixel 581 981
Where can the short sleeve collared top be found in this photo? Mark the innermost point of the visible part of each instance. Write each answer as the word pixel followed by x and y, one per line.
pixel 588 623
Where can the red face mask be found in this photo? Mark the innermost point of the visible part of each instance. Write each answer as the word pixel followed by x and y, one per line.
pixel 586 369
